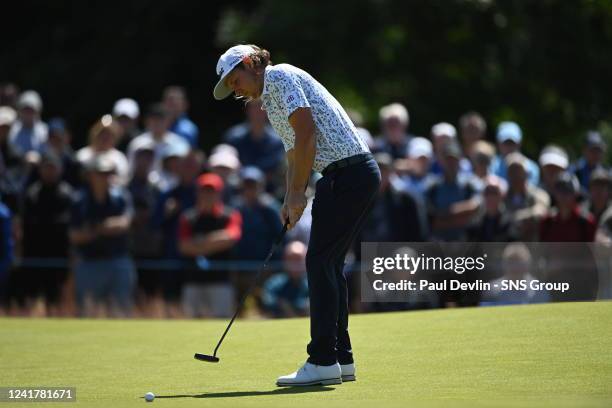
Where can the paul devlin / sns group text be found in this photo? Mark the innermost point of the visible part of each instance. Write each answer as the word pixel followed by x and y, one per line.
pixel 454 284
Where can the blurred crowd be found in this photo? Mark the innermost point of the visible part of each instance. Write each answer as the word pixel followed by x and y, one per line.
pixel 141 221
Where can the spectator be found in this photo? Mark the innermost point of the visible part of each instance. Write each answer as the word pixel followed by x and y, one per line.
pixel 168 208
pixel 225 163
pixel 45 219
pixel 592 158
pixel 126 112
pixel 451 199
pixel 58 143
pixel 396 216
pixel 492 224
pixel 6 249
pixel 394 122
pixel 101 217
pixel 509 138
pixel 599 194
pixel 102 140
pixel 176 104
pixel 173 202
pixel 261 222
pixel 167 177
pixel 9 93
pixel 481 158
pixel 145 241
pixel 443 134
pixel 209 230
pixel 257 143
pixel 472 128
pixel 553 161
pixel 28 133
pixel 566 226
pixel 157 122
pixel 566 223
pixel 286 294
pixel 526 204
pixel 8 158
pixel 516 263
pixel 416 169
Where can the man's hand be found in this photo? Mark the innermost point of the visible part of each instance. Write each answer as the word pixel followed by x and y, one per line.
pixel 294 207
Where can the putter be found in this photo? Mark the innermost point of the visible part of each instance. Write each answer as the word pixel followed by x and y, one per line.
pixel 214 358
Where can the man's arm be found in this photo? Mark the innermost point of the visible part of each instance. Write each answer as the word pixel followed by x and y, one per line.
pixel 301 159
pixel 80 236
pixel 211 242
pixel 115 225
pixel 208 244
pixel 289 178
pixel 304 147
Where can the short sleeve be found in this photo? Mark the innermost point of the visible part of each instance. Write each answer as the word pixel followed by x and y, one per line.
pixel 289 92
pixel 234 225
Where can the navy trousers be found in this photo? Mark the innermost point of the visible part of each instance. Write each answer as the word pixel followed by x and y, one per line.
pixel 342 201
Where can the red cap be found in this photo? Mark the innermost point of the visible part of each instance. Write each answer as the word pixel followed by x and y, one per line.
pixel 210 180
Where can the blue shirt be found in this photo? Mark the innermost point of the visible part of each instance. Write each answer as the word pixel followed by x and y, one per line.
pixel 499 168
pixel 87 212
pixel 441 195
pixel 583 171
pixel 184 127
pixel 260 226
pixel 282 288
pixel 265 152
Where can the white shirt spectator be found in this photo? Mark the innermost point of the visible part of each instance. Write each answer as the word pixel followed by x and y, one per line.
pixel 287 88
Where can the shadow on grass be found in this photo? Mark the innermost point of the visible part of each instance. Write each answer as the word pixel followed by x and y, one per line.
pixel 234 394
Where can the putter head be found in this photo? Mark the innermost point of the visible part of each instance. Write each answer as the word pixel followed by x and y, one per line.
pixel 206 357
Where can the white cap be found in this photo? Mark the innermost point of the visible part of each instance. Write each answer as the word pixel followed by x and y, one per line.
pixel 420 147
pixel 126 107
pixel 30 99
pixel 7 115
pixel 224 159
pixel 227 62
pixel 394 110
pixel 443 129
pixel 554 156
pixel 224 147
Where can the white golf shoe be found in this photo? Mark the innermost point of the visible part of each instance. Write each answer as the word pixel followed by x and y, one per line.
pixel 348 372
pixel 311 374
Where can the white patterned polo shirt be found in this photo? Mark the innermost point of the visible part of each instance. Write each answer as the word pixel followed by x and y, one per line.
pixel 287 88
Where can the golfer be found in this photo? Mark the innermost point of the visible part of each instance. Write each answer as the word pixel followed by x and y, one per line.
pixel 318 135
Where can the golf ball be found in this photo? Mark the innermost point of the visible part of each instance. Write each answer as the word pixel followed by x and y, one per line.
pixel 149 396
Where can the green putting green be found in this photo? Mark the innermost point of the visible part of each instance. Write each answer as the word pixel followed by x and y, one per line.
pixel 554 355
